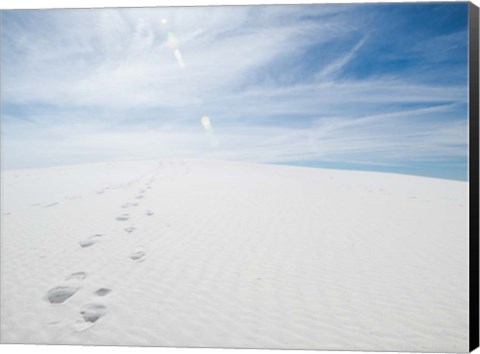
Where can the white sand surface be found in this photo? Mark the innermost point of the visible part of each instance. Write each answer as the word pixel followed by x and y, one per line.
pixel 223 254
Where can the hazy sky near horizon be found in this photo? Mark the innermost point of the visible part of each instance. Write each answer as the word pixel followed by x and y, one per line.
pixel 377 87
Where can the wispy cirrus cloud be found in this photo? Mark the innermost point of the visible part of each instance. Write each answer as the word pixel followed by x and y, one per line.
pixel 281 84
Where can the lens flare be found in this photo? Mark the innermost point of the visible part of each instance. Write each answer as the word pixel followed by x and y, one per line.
pixel 178 56
pixel 207 125
pixel 206 122
pixel 171 40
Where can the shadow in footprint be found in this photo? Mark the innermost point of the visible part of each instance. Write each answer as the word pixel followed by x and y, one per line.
pixel 50 205
pixel 138 256
pixel 59 294
pixel 90 241
pixel 102 292
pixel 129 229
pixel 123 217
pixel 129 205
pixel 77 276
pixel 92 312
pixel 139 197
pixel 149 213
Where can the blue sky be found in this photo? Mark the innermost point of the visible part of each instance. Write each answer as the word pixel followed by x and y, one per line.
pixel 379 87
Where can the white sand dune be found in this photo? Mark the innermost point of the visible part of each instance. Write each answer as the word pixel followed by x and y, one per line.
pixel 220 254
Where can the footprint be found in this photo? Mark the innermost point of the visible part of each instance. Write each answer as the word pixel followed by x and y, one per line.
pixel 92 312
pixel 129 229
pixel 138 256
pixel 149 213
pixel 35 204
pixel 123 217
pixel 102 292
pixel 59 294
pixel 128 205
pixel 73 197
pixel 90 241
pixel 50 205
pixel 77 276
pixel 139 197
pixel 7 213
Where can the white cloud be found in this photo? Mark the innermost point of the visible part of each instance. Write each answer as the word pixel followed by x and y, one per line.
pixel 114 84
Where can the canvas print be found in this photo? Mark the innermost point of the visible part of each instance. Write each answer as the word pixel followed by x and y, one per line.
pixel 282 176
